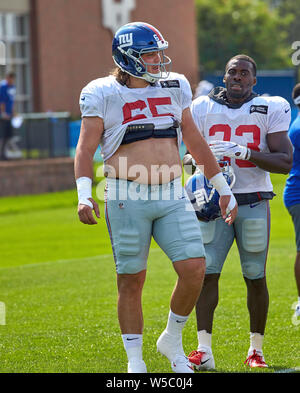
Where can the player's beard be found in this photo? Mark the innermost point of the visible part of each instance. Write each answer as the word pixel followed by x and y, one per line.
pixel 241 95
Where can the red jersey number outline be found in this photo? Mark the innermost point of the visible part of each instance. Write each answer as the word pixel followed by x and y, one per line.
pixel 140 105
pixel 240 130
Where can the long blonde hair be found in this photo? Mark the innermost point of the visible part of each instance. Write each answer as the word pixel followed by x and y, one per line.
pixel 121 76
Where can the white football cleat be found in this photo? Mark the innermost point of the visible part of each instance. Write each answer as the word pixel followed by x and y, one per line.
pixel 136 366
pixel 297 310
pixel 181 364
pixel 171 347
pixel 202 360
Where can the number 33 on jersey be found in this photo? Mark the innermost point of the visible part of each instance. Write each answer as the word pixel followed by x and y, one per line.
pixel 248 126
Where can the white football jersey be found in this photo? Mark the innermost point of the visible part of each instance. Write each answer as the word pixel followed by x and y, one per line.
pixel 120 106
pixel 247 126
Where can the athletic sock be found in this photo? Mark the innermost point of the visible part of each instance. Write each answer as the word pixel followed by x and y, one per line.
pixel 204 341
pixel 175 324
pixel 256 342
pixel 133 344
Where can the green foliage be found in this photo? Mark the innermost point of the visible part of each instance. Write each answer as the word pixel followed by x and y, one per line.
pixel 230 27
pixel 289 9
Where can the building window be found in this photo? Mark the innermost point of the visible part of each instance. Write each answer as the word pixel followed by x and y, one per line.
pixel 14 32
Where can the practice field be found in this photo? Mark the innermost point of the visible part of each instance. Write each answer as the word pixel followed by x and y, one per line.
pixel 58 287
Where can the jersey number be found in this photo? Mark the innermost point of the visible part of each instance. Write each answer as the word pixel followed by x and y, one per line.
pixel 240 130
pixel 140 105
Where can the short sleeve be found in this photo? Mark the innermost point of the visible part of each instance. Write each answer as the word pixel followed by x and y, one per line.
pixel 91 101
pixel 294 133
pixel 197 110
pixel 186 93
pixel 280 115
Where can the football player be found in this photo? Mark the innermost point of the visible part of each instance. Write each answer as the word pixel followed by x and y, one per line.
pixel 292 189
pixel 7 101
pixel 249 131
pixel 135 115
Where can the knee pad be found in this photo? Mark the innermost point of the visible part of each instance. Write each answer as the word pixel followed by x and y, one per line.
pixel 253 270
pixel 195 250
pixel 254 234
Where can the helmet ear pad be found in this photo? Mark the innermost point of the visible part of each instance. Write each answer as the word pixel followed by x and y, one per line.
pixel 125 59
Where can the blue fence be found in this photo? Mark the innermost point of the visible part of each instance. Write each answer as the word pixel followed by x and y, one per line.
pixel 273 83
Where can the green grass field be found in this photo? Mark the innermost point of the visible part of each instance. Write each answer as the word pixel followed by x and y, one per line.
pixel 57 281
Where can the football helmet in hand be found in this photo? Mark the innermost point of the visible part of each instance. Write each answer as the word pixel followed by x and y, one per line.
pixel 204 197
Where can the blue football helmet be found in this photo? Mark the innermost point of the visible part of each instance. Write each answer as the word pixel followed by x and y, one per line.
pixel 204 197
pixel 131 41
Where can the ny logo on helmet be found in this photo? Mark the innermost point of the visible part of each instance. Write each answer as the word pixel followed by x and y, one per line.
pixel 125 39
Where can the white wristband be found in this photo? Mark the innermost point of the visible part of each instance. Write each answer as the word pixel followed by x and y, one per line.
pixel 220 184
pixel 84 190
pixel 231 204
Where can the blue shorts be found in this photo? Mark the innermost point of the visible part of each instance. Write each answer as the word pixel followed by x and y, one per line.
pixel 251 230
pixel 136 212
pixel 294 211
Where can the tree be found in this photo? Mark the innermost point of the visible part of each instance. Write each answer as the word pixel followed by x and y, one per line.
pixel 252 27
pixel 290 10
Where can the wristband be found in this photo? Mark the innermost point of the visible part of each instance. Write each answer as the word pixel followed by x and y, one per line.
pixel 84 190
pixel 219 183
pixel 231 204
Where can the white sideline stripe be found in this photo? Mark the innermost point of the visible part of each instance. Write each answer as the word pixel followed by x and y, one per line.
pixel 95 257
pixel 288 370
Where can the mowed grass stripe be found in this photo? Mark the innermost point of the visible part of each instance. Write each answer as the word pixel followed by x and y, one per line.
pixel 62 317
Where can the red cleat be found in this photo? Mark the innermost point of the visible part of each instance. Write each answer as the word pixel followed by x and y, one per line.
pixel 202 360
pixel 256 359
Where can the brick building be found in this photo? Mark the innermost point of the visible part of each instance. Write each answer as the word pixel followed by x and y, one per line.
pixel 57 46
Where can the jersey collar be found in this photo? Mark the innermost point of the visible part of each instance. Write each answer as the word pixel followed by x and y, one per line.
pixel 218 94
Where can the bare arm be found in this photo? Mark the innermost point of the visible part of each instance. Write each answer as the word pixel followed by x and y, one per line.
pixel 2 111
pixel 197 145
pixel 280 158
pixel 90 135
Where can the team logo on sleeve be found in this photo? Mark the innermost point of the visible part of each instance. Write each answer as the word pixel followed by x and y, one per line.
pixel 263 109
